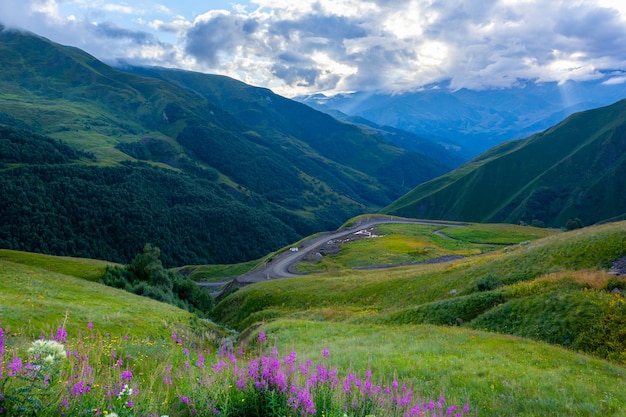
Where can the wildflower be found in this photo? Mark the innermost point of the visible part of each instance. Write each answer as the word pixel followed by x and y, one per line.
pixel 125 391
pixel 90 325
pixel 185 399
pixel 326 353
pixel 200 361
pixel 45 353
pixel 127 376
pixel 261 338
pixel 61 335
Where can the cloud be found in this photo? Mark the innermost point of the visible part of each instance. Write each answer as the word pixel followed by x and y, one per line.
pixel 220 32
pixel 346 45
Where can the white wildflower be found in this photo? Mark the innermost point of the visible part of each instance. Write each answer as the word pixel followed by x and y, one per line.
pixel 47 351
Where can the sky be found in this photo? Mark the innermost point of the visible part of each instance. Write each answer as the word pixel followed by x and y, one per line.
pixel 298 47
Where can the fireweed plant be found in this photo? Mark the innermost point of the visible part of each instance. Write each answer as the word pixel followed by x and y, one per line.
pixel 96 375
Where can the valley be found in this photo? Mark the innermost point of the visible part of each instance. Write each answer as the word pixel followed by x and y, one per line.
pixel 488 288
pixel 284 264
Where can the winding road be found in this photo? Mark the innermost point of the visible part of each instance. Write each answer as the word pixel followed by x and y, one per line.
pixel 282 265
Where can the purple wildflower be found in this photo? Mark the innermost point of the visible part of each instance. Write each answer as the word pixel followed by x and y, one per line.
pixel 185 399
pixel 261 338
pixel 1 352
pixel 61 335
pixel 326 353
pixel 200 361
pixel 127 376
pixel 90 325
pixel 220 366
pixel 15 367
pixel 450 410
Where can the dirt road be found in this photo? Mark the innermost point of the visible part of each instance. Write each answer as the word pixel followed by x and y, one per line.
pixel 283 265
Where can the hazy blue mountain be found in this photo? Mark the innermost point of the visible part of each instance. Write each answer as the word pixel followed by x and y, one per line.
pixel 470 122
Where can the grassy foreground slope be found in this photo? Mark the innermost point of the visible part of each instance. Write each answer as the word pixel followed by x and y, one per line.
pixel 499 375
pixel 35 301
pixel 552 289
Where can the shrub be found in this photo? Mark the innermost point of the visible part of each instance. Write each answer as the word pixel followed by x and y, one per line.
pixel 615 283
pixel 146 276
pixel 489 282
pixel 449 312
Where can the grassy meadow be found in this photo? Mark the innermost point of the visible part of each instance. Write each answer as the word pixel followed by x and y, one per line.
pixel 522 325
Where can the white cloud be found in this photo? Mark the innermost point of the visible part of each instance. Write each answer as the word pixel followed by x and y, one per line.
pixel 331 45
pixel 615 80
pixel 119 8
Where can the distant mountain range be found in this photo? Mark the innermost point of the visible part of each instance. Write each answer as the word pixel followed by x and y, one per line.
pixel 470 122
pixel 574 170
pixel 177 159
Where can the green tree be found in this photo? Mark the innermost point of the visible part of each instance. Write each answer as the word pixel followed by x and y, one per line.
pixel 574 224
pixel 147 266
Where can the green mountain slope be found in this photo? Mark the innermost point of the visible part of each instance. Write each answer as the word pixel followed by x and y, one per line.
pixel 290 170
pixel 277 121
pixel 574 170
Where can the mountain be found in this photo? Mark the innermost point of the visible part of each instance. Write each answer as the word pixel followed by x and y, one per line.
pixel 470 122
pixel 576 169
pixel 435 147
pixel 175 159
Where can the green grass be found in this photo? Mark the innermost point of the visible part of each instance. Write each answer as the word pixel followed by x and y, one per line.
pixel 410 243
pixel 440 293
pixel 88 269
pixel 371 319
pixel 499 375
pixel 498 234
pixel 35 301
pixel 218 272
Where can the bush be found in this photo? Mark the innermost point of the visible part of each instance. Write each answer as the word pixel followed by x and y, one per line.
pixel 453 311
pixel 489 282
pixel 146 276
pixel 615 283
pixel 584 320
pixel 573 224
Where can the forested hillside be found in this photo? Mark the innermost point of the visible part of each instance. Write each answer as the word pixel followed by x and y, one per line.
pixel 204 167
